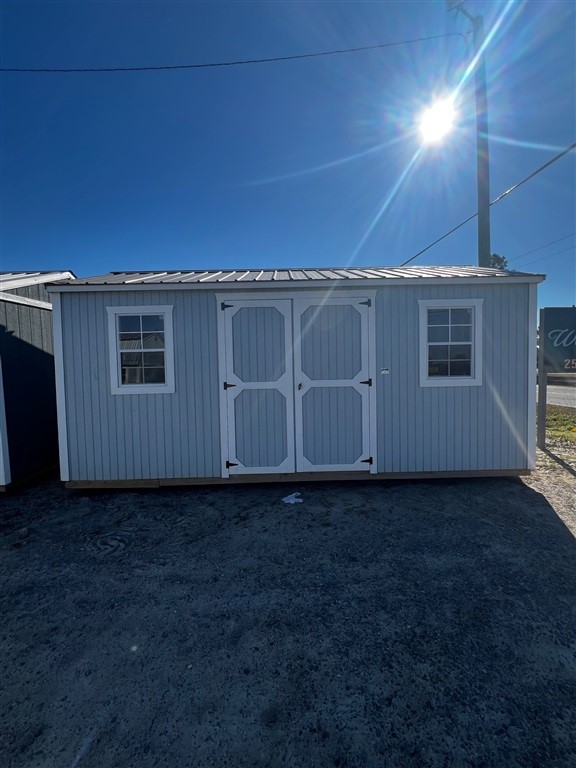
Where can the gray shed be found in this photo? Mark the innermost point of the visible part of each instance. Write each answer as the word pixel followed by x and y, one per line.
pixel 28 434
pixel 226 376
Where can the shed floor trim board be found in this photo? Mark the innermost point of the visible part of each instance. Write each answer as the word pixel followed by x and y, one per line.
pixel 299 477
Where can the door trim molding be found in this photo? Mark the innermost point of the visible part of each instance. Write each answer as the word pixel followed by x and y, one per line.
pixel 300 304
pixel 284 385
pixel 295 295
pixel 223 411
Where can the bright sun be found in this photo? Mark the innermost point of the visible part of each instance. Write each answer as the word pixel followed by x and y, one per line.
pixel 437 121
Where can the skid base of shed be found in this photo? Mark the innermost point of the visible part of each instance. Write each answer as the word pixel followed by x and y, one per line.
pixel 301 477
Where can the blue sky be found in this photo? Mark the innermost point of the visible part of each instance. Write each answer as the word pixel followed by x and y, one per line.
pixel 285 164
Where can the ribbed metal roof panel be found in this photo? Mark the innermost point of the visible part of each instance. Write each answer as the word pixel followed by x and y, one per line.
pixel 293 275
pixel 13 280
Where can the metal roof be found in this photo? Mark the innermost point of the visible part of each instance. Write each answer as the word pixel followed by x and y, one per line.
pixel 9 281
pixel 294 275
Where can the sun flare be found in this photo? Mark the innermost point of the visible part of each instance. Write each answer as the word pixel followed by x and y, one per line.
pixel 437 121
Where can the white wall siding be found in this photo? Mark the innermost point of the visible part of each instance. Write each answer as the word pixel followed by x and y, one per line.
pixel 423 429
pixel 116 437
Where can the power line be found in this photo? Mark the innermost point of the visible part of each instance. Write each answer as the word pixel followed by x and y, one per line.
pixel 549 255
pixel 231 63
pixel 534 173
pixel 437 241
pixel 497 200
pixel 541 247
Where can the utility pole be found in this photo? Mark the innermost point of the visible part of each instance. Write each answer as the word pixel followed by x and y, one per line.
pixel 482 153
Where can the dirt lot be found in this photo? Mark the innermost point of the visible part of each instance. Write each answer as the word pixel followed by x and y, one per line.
pixel 385 624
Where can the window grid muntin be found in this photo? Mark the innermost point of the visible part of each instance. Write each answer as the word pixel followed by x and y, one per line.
pixel 138 373
pixel 447 366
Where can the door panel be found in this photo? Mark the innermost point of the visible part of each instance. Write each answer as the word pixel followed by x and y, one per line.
pixel 330 443
pixel 261 427
pixel 332 376
pixel 331 346
pixel 259 386
pixel 258 343
pixel 297 389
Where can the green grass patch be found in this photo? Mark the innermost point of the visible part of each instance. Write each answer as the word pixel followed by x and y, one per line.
pixel 561 422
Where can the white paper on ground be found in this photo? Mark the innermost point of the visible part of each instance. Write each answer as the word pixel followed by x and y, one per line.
pixel 292 499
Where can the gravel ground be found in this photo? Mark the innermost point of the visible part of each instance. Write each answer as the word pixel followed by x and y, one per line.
pixel 377 624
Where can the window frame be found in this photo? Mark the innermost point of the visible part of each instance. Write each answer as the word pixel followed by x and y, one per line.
pixel 475 380
pixel 117 388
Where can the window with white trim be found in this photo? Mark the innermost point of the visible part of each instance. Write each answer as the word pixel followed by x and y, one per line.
pixel 450 342
pixel 141 350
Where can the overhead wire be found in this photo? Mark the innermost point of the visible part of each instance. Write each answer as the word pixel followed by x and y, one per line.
pixel 534 173
pixel 541 247
pixel 240 62
pixel 549 255
pixel 496 200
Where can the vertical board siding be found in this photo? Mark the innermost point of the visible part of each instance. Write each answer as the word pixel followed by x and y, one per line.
pixel 261 427
pixel 427 429
pixel 37 291
pixel 26 349
pixel 419 429
pixel 333 419
pixel 258 344
pixel 124 437
pixel 331 341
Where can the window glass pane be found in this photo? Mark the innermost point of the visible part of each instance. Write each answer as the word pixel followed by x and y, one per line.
pixel 460 368
pixel 437 368
pixel 438 352
pixel 130 359
pixel 461 316
pixel 154 376
pixel 152 322
pixel 130 341
pixel 132 375
pixel 153 340
pixel 438 333
pixel 140 346
pixel 450 336
pixel 460 351
pixel 154 358
pixel 438 316
pixel 128 323
pixel 461 333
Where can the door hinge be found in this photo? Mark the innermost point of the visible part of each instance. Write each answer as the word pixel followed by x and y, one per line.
pixel 368 381
pixel 367 303
pixel 228 385
pixel 223 305
pixel 231 464
pixel 369 460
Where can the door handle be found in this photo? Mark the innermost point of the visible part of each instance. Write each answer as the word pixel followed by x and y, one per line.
pixel 300 385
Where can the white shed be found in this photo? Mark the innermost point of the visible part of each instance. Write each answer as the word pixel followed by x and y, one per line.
pixel 210 377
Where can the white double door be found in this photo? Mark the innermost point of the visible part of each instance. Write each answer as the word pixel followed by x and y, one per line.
pixel 298 385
